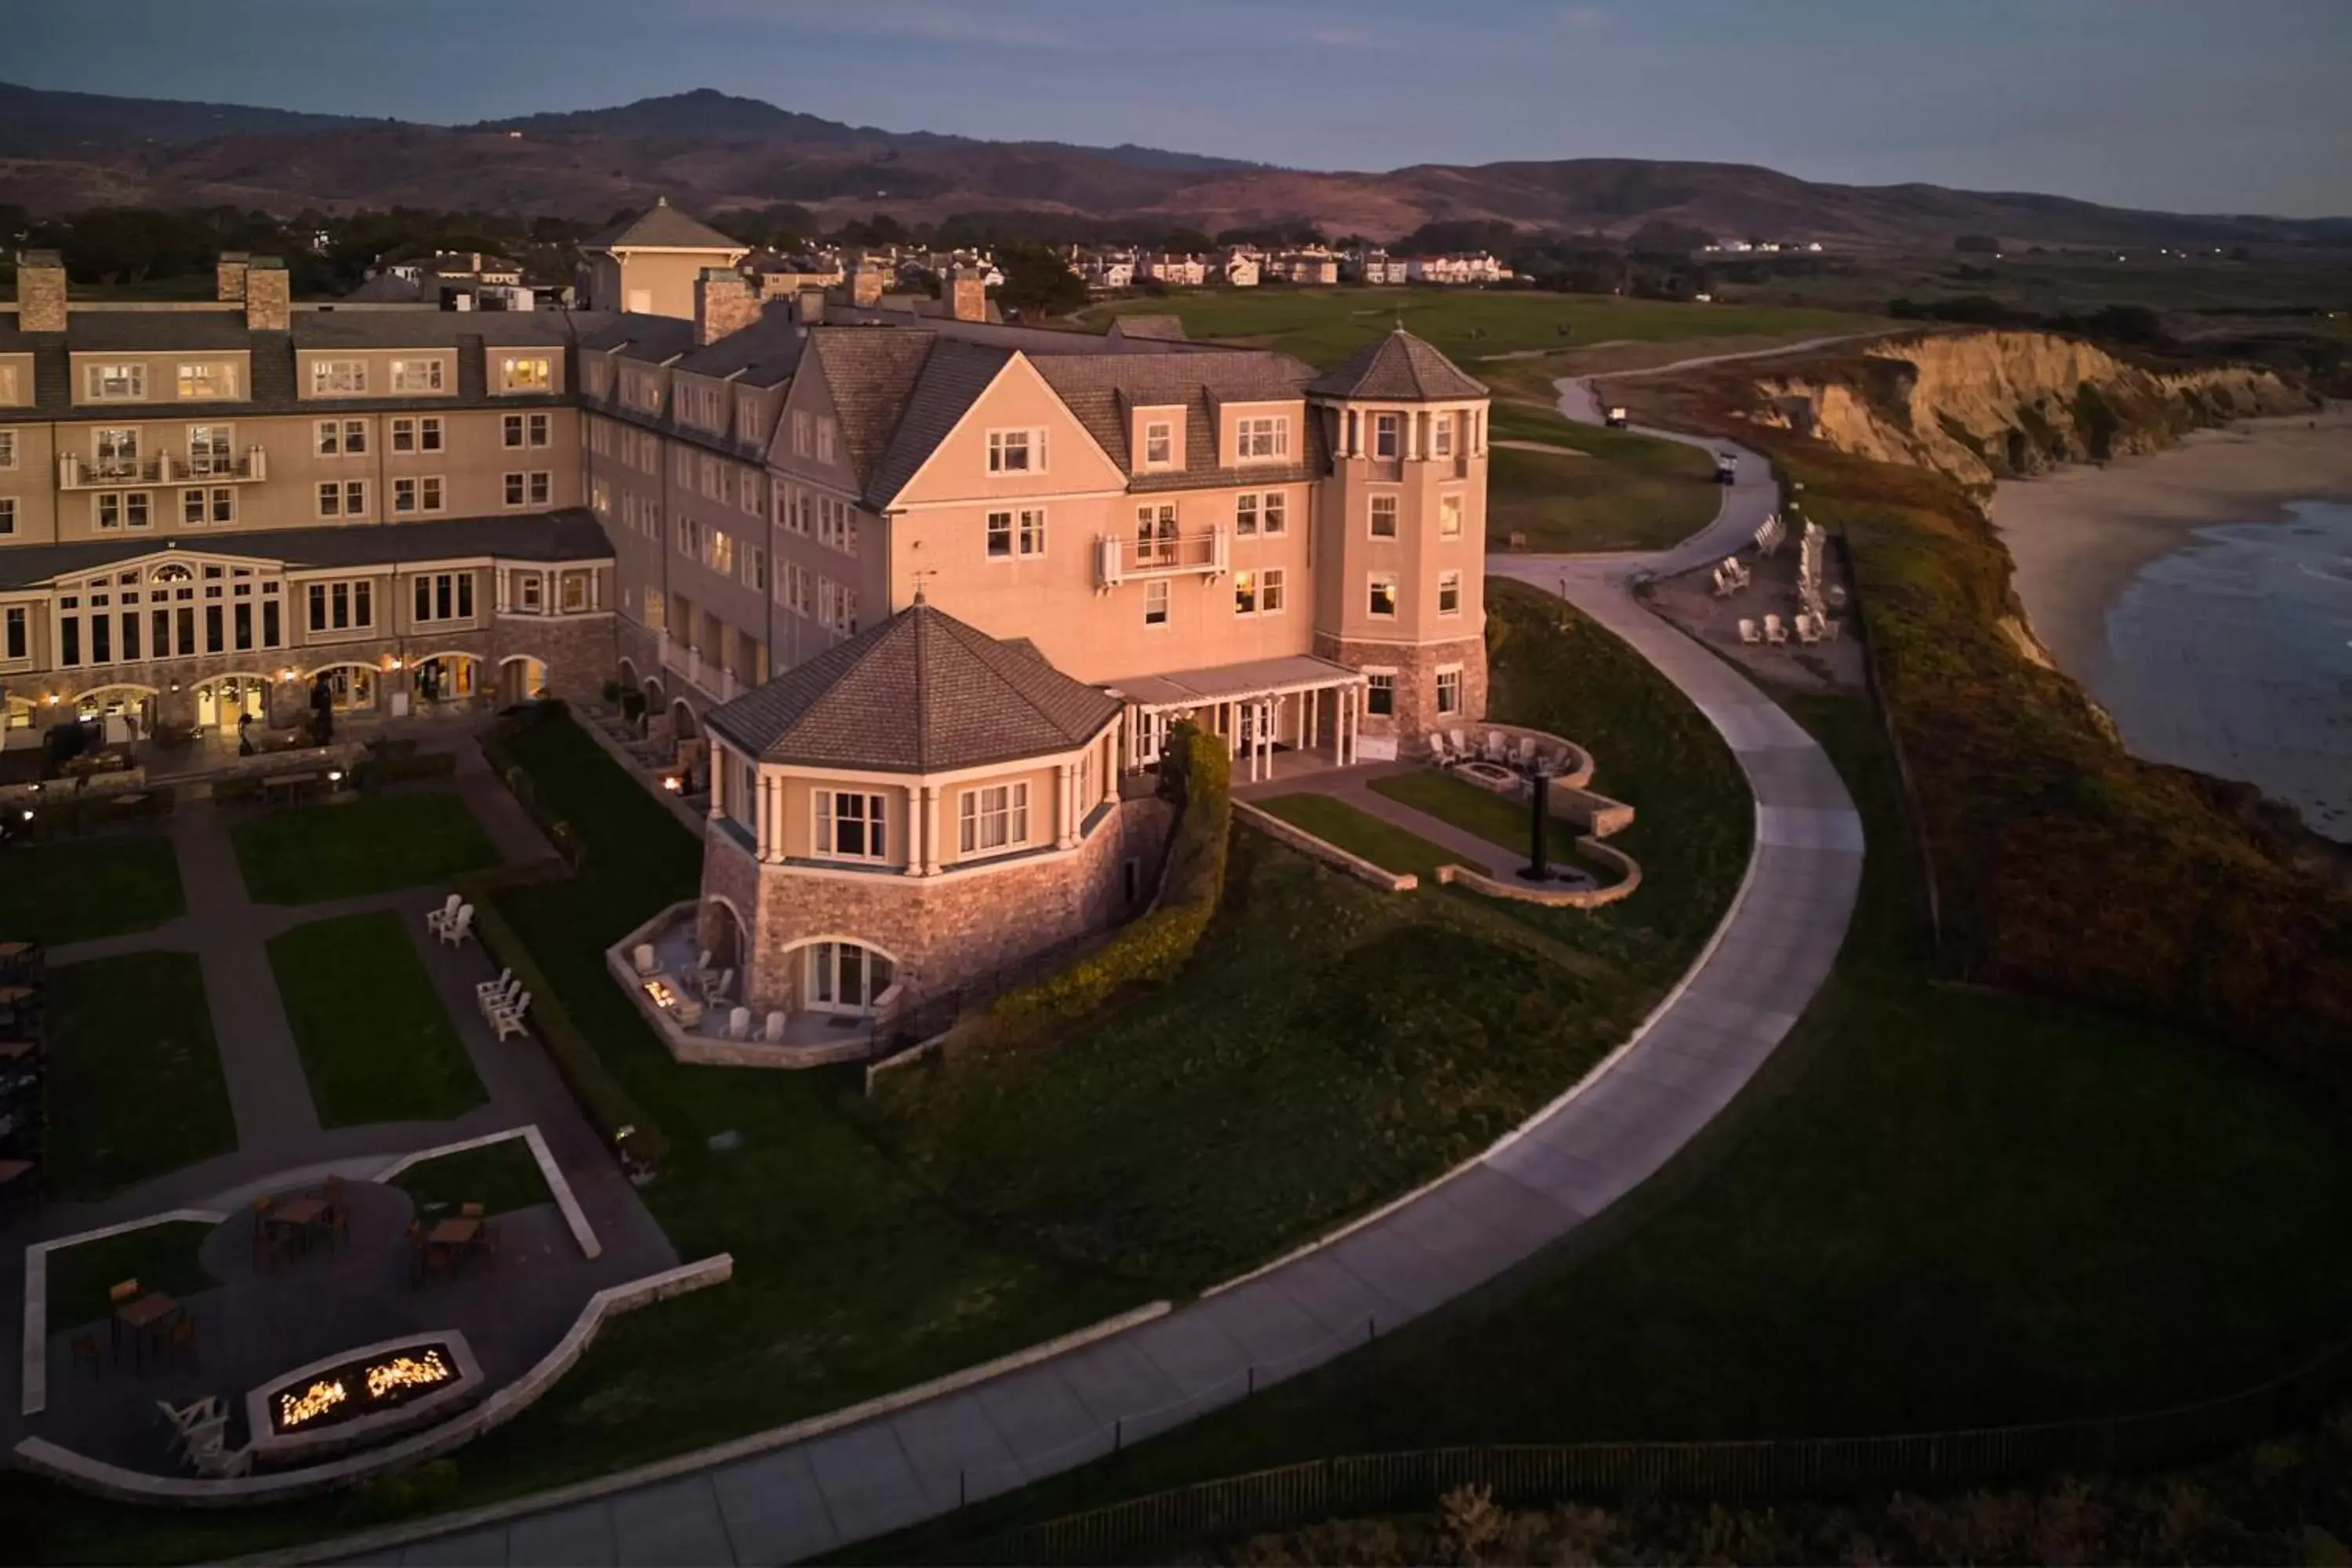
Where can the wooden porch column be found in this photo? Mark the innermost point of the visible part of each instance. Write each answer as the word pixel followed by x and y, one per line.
pixel 1065 800
pixel 930 830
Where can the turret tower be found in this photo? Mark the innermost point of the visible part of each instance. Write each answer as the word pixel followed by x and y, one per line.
pixel 1400 563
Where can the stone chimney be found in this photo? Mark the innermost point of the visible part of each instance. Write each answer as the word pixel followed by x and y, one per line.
pixel 967 290
pixel 228 274
pixel 864 283
pixel 268 295
pixel 724 304
pixel 40 291
pixel 808 307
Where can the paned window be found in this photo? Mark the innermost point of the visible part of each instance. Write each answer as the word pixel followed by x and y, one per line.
pixel 993 817
pixel 849 825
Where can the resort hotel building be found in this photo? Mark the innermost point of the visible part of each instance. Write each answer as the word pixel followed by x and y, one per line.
pixel 917 593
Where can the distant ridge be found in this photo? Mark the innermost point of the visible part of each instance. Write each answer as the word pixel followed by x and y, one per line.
pixel 707 150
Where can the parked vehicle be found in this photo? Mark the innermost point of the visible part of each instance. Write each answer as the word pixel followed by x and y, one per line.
pixel 1615 417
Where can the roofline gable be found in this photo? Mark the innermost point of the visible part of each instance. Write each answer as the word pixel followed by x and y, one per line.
pixel 1021 360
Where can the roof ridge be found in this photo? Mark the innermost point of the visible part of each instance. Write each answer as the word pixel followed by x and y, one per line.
pixel 996 648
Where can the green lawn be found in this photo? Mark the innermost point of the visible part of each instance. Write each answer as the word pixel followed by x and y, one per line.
pixel 1948 1208
pixel 1649 500
pixel 376 1044
pixel 1323 326
pixel 57 893
pixel 135 1086
pixel 158 1256
pixel 1361 833
pixel 313 853
pixel 1465 805
pixel 500 1176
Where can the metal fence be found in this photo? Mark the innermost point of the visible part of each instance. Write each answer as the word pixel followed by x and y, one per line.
pixel 1355 1486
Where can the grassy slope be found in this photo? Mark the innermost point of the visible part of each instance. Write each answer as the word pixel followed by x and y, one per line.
pixel 376 1044
pixel 1950 1208
pixel 310 854
pixel 135 1086
pixel 1331 1045
pixel 56 893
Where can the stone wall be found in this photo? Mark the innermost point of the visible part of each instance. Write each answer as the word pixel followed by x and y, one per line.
pixel 1416 682
pixel 943 931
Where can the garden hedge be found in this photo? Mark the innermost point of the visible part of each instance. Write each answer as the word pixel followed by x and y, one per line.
pixel 1153 948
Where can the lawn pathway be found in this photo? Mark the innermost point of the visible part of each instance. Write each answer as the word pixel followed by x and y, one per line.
pixel 790 1500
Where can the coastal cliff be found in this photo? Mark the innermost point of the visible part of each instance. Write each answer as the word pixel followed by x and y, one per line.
pixel 2060 863
pixel 1979 406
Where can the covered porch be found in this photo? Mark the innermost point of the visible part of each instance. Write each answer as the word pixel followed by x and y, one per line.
pixel 1278 717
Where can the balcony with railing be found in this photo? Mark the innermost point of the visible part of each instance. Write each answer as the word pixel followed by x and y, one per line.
pixel 707 676
pixel 76 472
pixel 1119 557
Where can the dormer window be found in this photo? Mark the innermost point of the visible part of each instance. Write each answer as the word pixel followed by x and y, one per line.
pixel 1262 437
pixel 1159 444
pixel 116 382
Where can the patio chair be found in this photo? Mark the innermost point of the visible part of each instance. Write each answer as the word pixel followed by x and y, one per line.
pixel 220 1463
pixel 1497 749
pixel 1808 630
pixel 122 1291
pixel 720 986
pixel 208 1435
pixel 455 931
pixel 1723 582
pixel 1774 632
pixel 508 1020
pixel 738 1024
pixel 447 912
pixel 1437 753
pixel 774 1032
pixel 1526 757
pixel 1461 746
pixel 643 957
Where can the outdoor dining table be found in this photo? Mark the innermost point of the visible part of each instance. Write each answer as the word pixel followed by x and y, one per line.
pixel 453 1233
pixel 142 1316
pixel 299 1215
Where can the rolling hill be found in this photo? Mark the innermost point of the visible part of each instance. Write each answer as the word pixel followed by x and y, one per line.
pixel 704 150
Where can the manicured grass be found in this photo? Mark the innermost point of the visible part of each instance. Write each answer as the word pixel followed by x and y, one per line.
pixel 314 853
pixel 1465 805
pixel 376 1044
pixel 1359 833
pixel 1626 492
pixel 135 1086
pixel 57 893
pixel 158 1256
pixel 500 1176
pixel 1950 1208
pixel 1324 326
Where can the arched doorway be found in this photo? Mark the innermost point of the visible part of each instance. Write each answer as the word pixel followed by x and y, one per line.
pixel 120 714
pixel 628 676
pixel 521 678
pixel 352 688
pixel 681 720
pixel 225 698
pixel 843 977
pixel 722 934
pixel 20 722
pixel 447 677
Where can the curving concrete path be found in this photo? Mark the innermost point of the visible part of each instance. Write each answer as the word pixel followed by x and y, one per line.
pixel 783 1498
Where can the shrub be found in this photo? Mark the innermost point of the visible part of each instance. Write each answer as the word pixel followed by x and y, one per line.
pixel 1153 949
pixel 371 774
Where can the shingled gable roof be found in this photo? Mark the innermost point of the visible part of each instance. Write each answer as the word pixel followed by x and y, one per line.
pixel 1101 389
pixel 662 227
pixel 920 693
pixel 1400 368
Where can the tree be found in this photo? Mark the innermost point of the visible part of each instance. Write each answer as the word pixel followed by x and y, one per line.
pixel 1037 282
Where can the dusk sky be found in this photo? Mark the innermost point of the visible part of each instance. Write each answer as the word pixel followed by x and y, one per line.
pixel 2194 105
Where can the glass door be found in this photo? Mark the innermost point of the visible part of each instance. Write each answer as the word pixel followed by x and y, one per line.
pixel 843 977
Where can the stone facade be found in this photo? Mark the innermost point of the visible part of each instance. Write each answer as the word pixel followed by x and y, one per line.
pixel 942 931
pixel 1416 665
pixel 41 292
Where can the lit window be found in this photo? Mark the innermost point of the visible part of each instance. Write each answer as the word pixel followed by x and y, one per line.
pixel 416 375
pixel 208 383
pixel 1245 593
pixel 527 374
pixel 1382 598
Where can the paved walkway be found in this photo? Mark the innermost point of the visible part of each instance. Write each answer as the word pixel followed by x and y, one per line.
pixel 1573 1161
pixel 280 1142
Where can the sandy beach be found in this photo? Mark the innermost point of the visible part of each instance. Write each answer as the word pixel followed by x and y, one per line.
pixel 2081 534
pixel 2206 615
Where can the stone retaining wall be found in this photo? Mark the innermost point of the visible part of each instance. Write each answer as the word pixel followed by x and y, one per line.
pixel 1330 854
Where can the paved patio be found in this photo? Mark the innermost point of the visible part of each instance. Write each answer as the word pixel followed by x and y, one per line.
pixel 1539 1185
pixel 320 1305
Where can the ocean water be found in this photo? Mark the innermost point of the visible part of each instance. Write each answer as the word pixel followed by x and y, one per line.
pixel 2233 656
